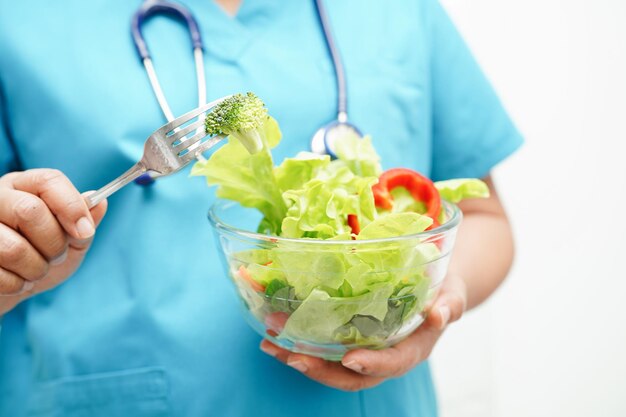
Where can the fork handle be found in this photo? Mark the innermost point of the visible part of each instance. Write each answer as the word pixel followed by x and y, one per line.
pixel 134 172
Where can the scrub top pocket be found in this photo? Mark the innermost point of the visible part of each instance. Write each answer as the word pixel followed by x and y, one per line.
pixel 137 392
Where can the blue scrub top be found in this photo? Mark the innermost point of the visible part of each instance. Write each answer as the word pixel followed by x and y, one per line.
pixel 149 325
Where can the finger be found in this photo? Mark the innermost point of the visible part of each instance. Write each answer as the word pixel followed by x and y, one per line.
pixel 396 360
pixel 99 210
pixel 332 374
pixel 29 215
pixel 275 351
pixel 19 257
pixel 11 284
pixel 60 195
pixel 450 304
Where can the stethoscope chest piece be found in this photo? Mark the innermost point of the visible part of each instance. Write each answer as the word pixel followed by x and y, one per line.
pixel 323 141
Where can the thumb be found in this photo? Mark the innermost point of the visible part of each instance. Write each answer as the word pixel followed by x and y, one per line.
pixel 450 304
pixel 98 211
pixel 80 246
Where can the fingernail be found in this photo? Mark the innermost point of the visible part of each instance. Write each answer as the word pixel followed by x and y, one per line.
pixel 355 366
pixel 27 286
pixel 59 259
pixel 300 366
pixel 85 228
pixel 269 349
pixel 444 312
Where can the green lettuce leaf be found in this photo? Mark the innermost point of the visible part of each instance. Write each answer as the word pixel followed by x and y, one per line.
pixel 248 179
pixel 461 189
pixel 319 209
pixel 320 315
pixel 307 270
pixel 264 275
pixel 293 173
pixel 360 278
pixel 395 224
pixel 404 202
pixel 349 334
pixel 402 262
pixel 358 154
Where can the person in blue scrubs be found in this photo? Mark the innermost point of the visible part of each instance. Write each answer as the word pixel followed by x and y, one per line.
pixel 148 325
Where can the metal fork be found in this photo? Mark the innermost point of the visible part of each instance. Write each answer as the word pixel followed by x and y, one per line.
pixel 168 149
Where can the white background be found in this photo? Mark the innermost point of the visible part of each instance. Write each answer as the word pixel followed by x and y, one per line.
pixel 552 340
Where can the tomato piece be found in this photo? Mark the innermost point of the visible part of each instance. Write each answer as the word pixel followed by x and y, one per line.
pixel 353 222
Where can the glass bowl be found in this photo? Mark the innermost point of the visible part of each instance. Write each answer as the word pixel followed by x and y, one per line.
pixel 325 297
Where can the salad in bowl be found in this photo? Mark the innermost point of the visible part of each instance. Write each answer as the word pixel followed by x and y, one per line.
pixel 327 255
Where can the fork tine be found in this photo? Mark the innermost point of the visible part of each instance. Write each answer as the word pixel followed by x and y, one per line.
pixel 184 132
pixel 163 130
pixel 199 148
pixel 190 141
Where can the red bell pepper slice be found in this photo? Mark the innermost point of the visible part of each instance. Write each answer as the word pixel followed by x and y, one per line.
pixel 421 188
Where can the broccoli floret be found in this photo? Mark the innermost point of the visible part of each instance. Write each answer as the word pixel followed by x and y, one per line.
pixel 240 116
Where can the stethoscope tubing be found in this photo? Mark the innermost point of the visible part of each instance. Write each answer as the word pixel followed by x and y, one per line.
pixel 340 75
pixel 153 7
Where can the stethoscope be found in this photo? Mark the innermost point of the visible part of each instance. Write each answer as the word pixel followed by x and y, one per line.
pixel 323 139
